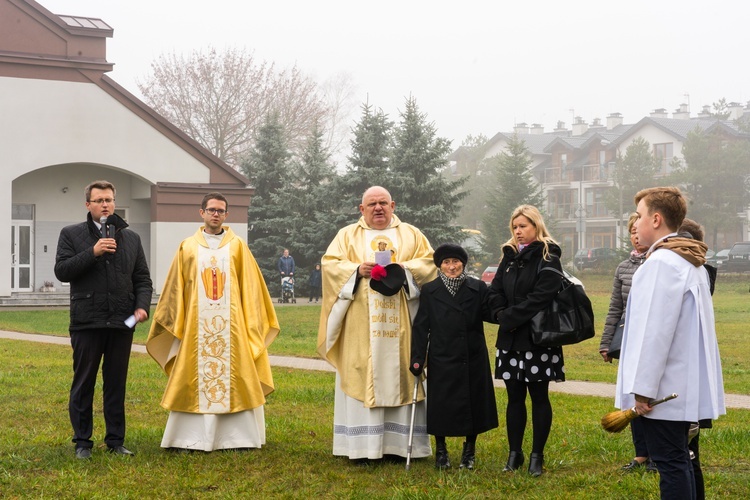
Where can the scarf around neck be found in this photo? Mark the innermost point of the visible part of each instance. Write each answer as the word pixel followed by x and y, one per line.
pixel 452 284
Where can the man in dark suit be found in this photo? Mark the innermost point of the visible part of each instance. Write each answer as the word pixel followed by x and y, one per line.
pixel 110 291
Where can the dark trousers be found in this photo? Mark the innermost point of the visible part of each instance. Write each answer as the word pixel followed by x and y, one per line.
pixel 89 347
pixel 639 438
pixel 700 487
pixel 668 448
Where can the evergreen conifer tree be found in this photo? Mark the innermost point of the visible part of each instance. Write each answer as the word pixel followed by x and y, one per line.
pixel 368 162
pixel 267 167
pixel 511 183
pixel 310 207
pixel 424 197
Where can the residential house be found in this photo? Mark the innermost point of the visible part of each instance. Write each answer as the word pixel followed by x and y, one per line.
pixel 576 168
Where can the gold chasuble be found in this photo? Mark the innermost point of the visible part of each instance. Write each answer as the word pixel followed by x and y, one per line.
pixel 212 327
pixel 366 336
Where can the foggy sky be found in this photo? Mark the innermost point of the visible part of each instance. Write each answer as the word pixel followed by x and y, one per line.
pixel 474 67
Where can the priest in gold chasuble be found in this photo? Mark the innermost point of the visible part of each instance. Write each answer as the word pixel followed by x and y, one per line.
pixel 210 333
pixel 366 335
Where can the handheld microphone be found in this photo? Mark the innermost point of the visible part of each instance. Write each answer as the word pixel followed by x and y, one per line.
pixel 105 227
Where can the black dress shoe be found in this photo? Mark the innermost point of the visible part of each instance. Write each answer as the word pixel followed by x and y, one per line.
pixel 120 450
pixel 515 461
pixel 83 453
pixel 468 456
pixel 536 460
pixel 441 458
pixel 633 466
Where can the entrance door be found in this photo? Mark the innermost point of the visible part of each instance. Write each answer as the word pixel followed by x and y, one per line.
pixel 21 245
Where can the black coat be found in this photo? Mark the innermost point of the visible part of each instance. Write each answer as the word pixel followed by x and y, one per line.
pixel 460 394
pixel 104 290
pixel 518 292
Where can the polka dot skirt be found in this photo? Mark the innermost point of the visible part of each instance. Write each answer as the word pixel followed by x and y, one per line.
pixel 530 366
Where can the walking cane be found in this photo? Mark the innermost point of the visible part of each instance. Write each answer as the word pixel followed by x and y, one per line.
pixel 411 426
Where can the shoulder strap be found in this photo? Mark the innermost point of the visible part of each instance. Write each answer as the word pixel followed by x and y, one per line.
pixel 551 269
pixel 539 268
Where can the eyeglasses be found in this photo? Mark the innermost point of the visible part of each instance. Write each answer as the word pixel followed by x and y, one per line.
pixel 219 211
pixel 108 201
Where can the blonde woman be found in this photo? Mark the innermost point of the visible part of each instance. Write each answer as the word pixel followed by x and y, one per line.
pixel 518 291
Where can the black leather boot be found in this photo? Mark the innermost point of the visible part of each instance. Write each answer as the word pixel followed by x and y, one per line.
pixel 515 461
pixel 467 457
pixel 441 457
pixel 536 460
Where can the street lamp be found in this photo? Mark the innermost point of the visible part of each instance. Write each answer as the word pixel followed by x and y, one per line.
pixel 581 225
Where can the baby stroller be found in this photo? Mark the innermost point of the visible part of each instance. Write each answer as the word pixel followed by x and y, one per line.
pixel 287 290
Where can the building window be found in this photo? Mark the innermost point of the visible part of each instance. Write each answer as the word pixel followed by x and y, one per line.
pixel 561 203
pixel 663 153
pixel 595 205
pixel 601 238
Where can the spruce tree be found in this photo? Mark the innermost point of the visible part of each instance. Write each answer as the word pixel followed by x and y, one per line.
pixel 510 184
pixel 368 162
pixel 267 167
pixel 424 197
pixel 309 208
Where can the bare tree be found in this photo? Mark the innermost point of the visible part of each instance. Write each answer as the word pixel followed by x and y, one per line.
pixel 339 95
pixel 220 99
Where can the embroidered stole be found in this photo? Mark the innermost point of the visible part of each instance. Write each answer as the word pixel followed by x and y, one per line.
pixel 385 325
pixel 214 319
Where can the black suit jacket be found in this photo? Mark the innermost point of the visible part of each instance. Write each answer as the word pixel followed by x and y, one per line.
pixel 104 290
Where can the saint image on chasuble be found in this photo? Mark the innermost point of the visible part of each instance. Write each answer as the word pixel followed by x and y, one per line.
pixel 213 280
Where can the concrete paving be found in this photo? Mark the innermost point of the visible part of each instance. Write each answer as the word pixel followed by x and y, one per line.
pixel 575 387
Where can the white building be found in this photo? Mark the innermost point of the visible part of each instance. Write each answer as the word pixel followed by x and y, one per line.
pixel 64 124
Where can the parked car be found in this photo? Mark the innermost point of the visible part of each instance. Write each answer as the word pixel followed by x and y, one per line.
pixel 719 259
pixel 738 259
pixel 594 258
pixel 489 274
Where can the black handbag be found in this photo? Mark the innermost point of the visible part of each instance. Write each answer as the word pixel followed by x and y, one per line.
pixel 569 319
pixel 616 344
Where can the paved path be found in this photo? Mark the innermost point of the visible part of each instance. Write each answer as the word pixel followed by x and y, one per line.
pixel 569 387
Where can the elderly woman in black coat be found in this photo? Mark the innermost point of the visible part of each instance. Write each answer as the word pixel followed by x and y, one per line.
pixel 519 291
pixel 460 393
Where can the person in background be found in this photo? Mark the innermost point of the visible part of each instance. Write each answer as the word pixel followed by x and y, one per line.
pixel 210 334
pixel 316 285
pixel 691 229
pixel 520 290
pixel 669 344
pixel 286 264
pixel 110 284
pixel 460 393
pixel 616 314
pixel 366 333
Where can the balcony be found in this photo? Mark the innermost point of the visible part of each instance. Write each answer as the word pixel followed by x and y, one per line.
pixel 585 173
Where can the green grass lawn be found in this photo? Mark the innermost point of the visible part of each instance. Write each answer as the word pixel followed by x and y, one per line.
pixel 36 456
pixel 582 461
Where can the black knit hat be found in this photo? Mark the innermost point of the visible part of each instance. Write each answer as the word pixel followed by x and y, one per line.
pixel 450 250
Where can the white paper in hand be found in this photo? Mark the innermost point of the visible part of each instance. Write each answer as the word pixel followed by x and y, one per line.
pixel 383 258
pixel 131 321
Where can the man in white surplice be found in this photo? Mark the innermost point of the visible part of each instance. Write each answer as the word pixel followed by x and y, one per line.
pixel 366 336
pixel 669 344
